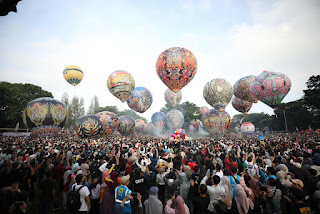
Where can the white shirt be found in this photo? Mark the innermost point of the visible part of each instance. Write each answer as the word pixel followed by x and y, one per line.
pixel 84 192
pixel 214 192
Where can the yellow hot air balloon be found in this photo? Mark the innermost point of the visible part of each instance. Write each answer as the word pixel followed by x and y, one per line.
pixel 73 74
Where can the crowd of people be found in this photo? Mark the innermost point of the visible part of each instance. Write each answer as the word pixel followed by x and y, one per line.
pixel 151 175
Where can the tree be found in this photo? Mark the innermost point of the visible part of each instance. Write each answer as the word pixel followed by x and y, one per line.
pixel 132 114
pixel 13 98
pixel 76 110
pixel 311 98
pixel 65 100
pixel 91 108
pixel 113 109
pixel 95 103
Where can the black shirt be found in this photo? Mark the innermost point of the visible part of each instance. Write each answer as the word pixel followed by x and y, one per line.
pixel 200 204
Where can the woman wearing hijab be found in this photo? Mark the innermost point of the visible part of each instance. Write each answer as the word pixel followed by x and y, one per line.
pixel 185 186
pixel 180 206
pixel 108 201
pixel 244 204
pixel 227 191
pixel 153 205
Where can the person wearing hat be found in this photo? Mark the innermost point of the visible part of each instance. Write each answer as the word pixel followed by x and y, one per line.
pixel 153 205
pixel 120 194
pixel 297 183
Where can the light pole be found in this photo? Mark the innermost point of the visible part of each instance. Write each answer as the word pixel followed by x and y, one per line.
pixel 285 120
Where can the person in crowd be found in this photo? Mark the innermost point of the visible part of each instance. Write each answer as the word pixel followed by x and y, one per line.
pixel 153 205
pixel 47 193
pixel 120 194
pixel 213 189
pixel 199 198
pixel 244 204
pixel 180 206
pixel 84 194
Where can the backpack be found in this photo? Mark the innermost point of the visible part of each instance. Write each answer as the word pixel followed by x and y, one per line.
pixel 73 200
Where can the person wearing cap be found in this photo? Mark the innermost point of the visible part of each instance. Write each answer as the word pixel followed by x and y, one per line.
pixel 153 205
pixel 120 194
pixel 297 183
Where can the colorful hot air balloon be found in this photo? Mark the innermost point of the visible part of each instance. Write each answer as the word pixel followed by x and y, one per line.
pixel 88 126
pixel 218 93
pixel 247 128
pixel 241 89
pixel 158 119
pixel 216 122
pixel 176 67
pixel 203 109
pixel 109 121
pixel 241 105
pixel 126 125
pixel 270 88
pixel 174 119
pixel 139 125
pixel 140 99
pixel 150 128
pixel 121 84
pixel 44 116
pixel 172 98
pixel 73 74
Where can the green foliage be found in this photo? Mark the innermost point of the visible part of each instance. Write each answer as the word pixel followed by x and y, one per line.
pixel 259 120
pixel 13 98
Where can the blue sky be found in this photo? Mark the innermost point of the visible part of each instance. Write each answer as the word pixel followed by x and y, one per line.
pixel 230 39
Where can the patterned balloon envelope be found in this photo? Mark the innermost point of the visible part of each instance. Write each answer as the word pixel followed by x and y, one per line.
pixel 158 119
pixel 44 116
pixel 126 125
pixel 140 99
pixel 109 121
pixel 139 125
pixel 174 119
pixel 203 109
pixel 176 67
pixel 121 84
pixel 150 129
pixel 218 93
pixel 216 122
pixel 241 105
pixel 271 87
pixel 247 128
pixel 88 126
pixel 73 74
pixel 172 98
pixel 241 89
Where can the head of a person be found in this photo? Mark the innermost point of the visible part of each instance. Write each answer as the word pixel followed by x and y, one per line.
pixel 202 189
pixel 153 191
pixel 216 179
pixel 125 180
pixel 172 175
pixel 218 167
pixel 48 173
pixel 272 182
pixel 196 169
pixel 297 194
pixel 249 159
pixel 271 171
pixel 312 172
pixel 78 179
pixel 234 171
pixel 179 209
pixel 297 184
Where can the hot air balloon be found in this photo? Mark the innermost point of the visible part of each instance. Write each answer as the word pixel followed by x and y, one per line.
pixel 126 125
pixel 241 89
pixel 247 128
pixel 174 119
pixel 270 88
pixel 216 122
pixel 203 109
pixel 109 121
pixel 150 128
pixel 140 99
pixel 73 74
pixel 241 105
pixel 121 84
pixel 139 125
pixel 218 93
pixel 158 119
pixel 44 116
pixel 176 67
pixel 172 98
pixel 191 128
pixel 88 126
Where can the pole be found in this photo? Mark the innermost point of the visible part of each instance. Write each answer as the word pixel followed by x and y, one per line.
pixel 285 120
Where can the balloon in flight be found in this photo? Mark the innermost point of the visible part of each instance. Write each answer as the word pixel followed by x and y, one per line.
pixel 121 84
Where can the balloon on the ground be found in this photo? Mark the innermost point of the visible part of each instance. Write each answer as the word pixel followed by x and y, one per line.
pixel 88 126
pixel 174 119
pixel 158 119
pixel 216 122
pixel 44 116
pixel 139 125
pixel 247 128
pixel 203 109
pixel 126 125
pixel 241 89
pixel 140 99
pixel 179 134
pixel 242 106
pixel 218 93
pixel 176 67
pixel 109 121
pixel 73 74
pixel 172 98
pixel 121 84
pixel 271 87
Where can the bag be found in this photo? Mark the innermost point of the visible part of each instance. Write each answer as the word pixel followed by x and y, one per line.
pixel 223 207
pixel 236 180
pixel 73 200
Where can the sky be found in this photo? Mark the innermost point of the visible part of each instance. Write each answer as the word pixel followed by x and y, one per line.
pixel 230 39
